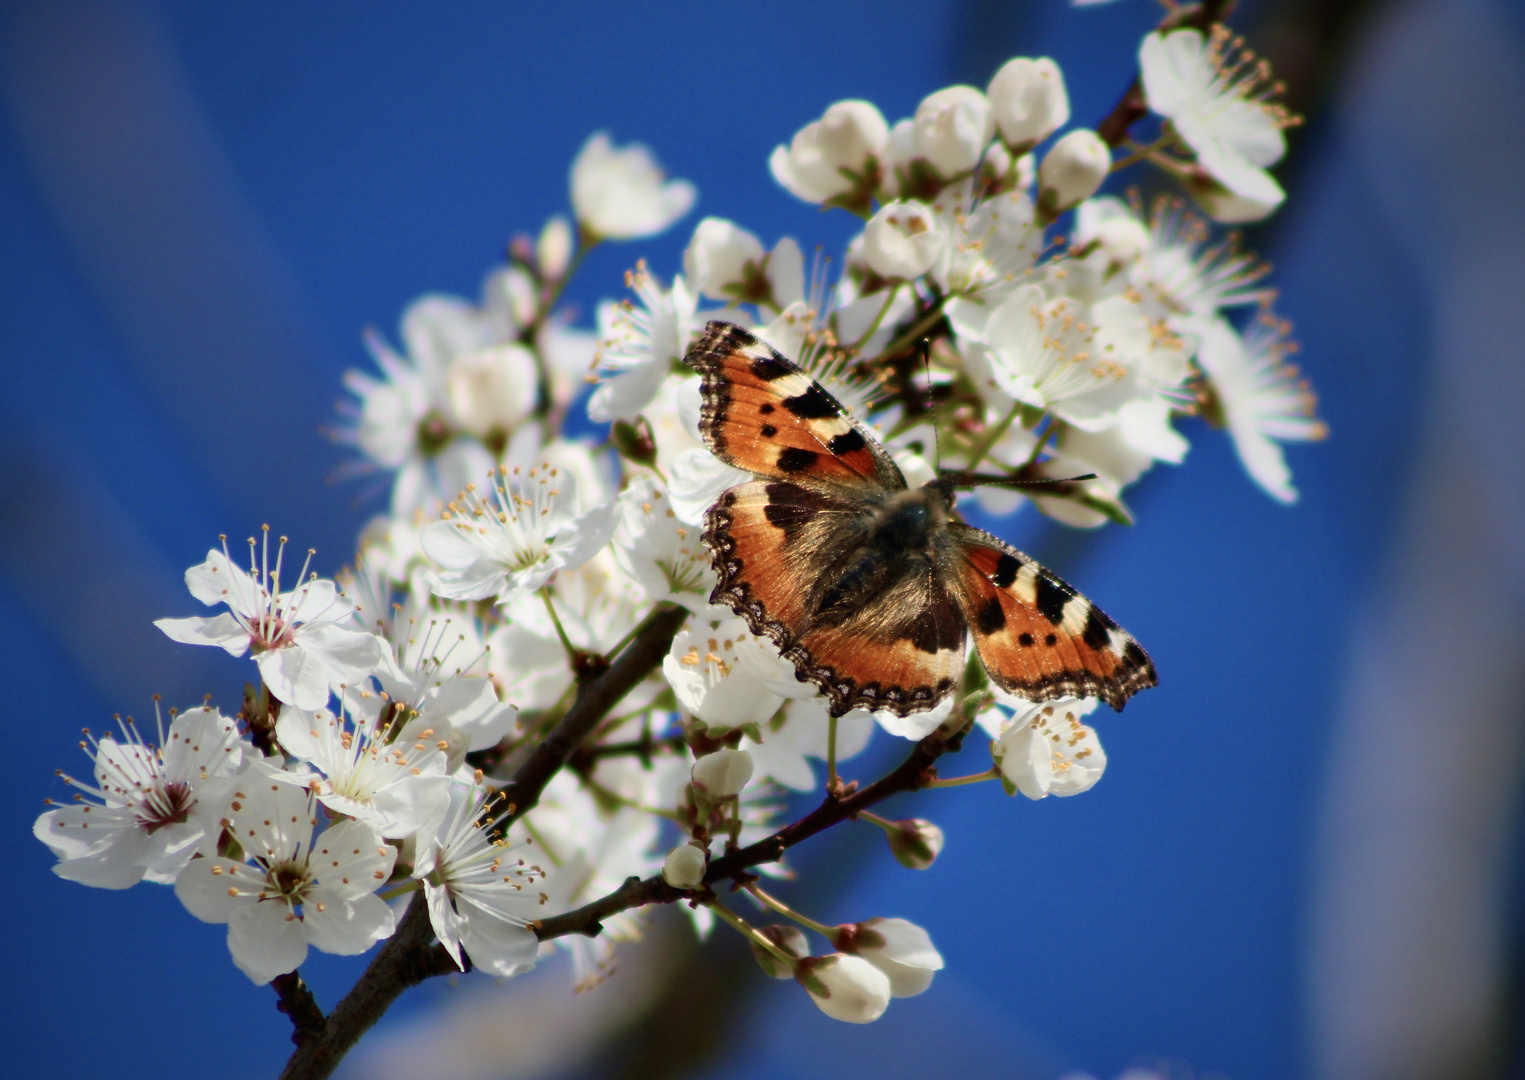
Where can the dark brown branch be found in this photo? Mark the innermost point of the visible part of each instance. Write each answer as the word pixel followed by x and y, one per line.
pixel 1132 107
pixel 297 1002
pixel 911 774
pixel 408 958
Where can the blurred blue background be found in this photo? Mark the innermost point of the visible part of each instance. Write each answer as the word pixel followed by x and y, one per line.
pixel 1303 859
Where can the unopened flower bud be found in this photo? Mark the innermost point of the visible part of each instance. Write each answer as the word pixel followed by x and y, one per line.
pixel 852 132
pixel 1072 171
pixel 523 298
pixel 684 867
pixel 635 440
pixel 791 939
pixel 915 843
pixel 846 988
pixel 951 129
pixel 718 255
pixel 903 240
pixel 897 947
pixel 553 251
pixel 850 136
pixel 723 774
pixel 491 390
pixel 1028 101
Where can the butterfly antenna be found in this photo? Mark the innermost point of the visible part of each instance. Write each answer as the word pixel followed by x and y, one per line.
pixel 926 364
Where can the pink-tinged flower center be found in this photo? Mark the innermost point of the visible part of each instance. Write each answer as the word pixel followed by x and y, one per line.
pixel 166 804
pixel 271 632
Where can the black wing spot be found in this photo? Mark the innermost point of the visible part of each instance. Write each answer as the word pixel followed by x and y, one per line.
pixel 1134 656
pixel 991 617
pixel 1024 639
pixel 768 431
pixel 1006 568
pixel 793 459
pixel 1098 631
pixel 769 368
pixel 1050 640
pixel 847 442
pixel 789 507
pixel 765 408
pixel 813 404
pixel 1051 598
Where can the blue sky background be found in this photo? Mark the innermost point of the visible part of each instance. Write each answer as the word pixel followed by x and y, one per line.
pixel 201 206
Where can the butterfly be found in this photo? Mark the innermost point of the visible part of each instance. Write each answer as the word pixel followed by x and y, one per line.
pixel 868 586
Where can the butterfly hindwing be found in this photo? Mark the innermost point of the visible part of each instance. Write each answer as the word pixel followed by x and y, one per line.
pixel 761 412
pixel 871 630
pixel 1038 637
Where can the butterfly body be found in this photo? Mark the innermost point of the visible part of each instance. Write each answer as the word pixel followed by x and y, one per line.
pixel 868 586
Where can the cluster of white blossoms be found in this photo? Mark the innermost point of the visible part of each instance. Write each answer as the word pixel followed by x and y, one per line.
pixel 518 711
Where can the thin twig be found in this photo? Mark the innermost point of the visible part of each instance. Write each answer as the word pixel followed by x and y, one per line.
pixel 916 771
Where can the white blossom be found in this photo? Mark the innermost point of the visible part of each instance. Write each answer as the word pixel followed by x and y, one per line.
pixel 1028 101
pixel 720 259
pixel 663 553
pixel 639 344
pixel 1056 355
pixel 903 240
pixel 846 988
pixel 435 671
pixel 481 897
pixel 1260 398
pixel 799 733
pixel 1072 170
pixel 1044 749
pixel 384 770
pixel 491 391
pixel 622 193
pixel 951 128
pixel 291 889
pixel 897 947
pixel 1174 260
pixel 513 541
pixel 708 678
pixel 296 636
pixel 151 807
pixel 1217 97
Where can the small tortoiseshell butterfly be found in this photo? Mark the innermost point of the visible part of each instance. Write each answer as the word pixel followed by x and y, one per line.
pixel 865 584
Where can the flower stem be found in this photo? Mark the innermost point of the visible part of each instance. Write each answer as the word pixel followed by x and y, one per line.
pixel 991 773
pixel 748 931
pixel 788 912
pixel 833 784
pixel 879 318
pixel 884 823
pixel 925 323
pixel 566 642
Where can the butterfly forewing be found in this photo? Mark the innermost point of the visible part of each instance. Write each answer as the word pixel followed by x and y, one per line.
pixel 762 413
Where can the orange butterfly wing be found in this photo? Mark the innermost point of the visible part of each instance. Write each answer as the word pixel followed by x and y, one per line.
pixel 761 412
pixel 1038 637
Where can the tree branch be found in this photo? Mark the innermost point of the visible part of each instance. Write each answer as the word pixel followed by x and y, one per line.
pixel 297 1002
pixel 407 958
pixel 1132 107
pixel 909 775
